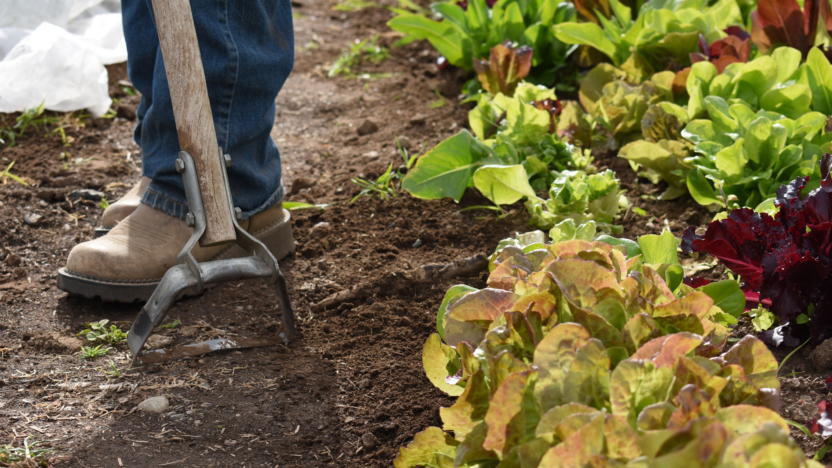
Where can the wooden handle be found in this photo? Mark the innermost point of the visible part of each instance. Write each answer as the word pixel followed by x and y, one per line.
pixel 192 111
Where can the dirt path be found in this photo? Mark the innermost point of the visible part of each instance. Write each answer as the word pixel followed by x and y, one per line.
pixel 351 391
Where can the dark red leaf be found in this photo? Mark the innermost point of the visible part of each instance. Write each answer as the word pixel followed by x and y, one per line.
pixel 785 261
pixel 782 22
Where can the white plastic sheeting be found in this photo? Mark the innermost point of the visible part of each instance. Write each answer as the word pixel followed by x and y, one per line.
pixel 53 52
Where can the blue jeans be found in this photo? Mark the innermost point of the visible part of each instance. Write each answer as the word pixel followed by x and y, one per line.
pixel 247 51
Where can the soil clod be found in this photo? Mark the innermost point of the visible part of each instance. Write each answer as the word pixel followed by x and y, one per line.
pixel 157 404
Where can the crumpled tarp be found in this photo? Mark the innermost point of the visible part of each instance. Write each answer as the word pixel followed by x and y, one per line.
pixel 53 52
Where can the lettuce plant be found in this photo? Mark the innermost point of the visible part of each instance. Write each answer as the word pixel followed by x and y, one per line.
pixel 747 130
pixel 742 156
pixel 580 197
pixel 784 260
pixel 575 356
pixel 779 82
pixel 512 155
pixel 463 35
pixel 612 107
pixel 505 68
pixel 661 37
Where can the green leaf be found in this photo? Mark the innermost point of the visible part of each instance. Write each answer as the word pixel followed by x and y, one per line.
pixel 554 356
pixel 701 190
pixel 451 295
pixel 634 385
pixel 442 36
pixel 430 448
pixel 294 205
pixel 699 79
pixel 659 249
pixel 790 100
pixel 629 246
pixel 745 419
pixel 727 295
pixel 762 319
pixel 731 160
pixel 756 360
pixel 579 447
pixel 503 185
pixel 447 169
pixel 512 413
pixel 819 75
pixel 436 356
pixel 592 84
pixel 589 34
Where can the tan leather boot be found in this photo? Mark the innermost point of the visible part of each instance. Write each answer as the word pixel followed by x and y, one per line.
pixel 126 264
pixel 122 208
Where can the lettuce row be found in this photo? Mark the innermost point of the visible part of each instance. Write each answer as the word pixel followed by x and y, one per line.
pixel 575 355
pixel 514 154
pixel 747 131
pixel 662 36
pixel 466 31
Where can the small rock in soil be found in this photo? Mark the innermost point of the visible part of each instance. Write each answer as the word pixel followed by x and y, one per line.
pixel 86 194
pixel 367 127
pixel 157 404
pixel 32 219
pixel 159 341
pixel 822 356
pixel 368 440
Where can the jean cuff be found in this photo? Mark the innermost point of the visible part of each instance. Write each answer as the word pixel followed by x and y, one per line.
pixel 275 198
pixel 164 203
pixel 173 207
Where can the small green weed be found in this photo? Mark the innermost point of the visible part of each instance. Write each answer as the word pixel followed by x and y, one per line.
pixel 296 205
pixel 111 371
pixel 387 184
pixel 104 203
pixel 6 174
pixel 32 118
pixel 171 325
pixel 129 90
pixel 438 102
pixel 92 352
pixel 100 332
pixel 31 454
pixel 361 51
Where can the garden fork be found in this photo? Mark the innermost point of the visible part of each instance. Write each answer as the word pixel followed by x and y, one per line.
pixel 203 167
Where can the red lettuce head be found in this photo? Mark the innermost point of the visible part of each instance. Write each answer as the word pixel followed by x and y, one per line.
pixel 785 260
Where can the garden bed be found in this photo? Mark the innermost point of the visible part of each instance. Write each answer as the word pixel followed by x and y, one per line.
pixel 352 391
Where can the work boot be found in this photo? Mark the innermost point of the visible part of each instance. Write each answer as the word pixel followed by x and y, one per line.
pixel 122 208
pixel 126 264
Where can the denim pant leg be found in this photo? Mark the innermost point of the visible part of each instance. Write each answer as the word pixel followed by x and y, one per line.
pixel 247 51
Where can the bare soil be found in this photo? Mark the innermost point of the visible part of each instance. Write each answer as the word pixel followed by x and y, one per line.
pixel 352 390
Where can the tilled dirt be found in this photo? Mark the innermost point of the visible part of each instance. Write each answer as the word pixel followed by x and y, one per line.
pixel 352 390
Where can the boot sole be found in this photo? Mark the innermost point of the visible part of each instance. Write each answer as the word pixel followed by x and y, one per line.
pixel 277 238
